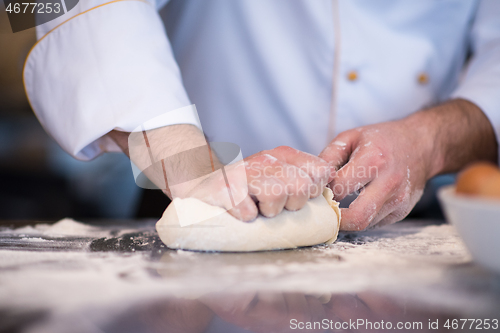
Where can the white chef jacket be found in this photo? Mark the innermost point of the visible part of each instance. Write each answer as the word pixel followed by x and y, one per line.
pixel 262 73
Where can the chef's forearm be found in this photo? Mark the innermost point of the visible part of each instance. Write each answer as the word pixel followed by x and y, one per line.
pixel 166 143
pixel 454 133
pixel 172 139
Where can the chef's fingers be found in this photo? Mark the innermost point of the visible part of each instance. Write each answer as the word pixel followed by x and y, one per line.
pixel 362 211
pixel 392 211
pixel 316 168
pixel 246 210
pixel 273 182
pixel 210 188
pixel 362 168
pixel 298 187
pixel 398 199
pixel 339 150
pixel 297 183
pixel 234 190
pixel 270 202
pixel 265 186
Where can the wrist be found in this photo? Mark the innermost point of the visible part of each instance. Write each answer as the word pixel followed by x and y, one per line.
pixel 453 134
pixel 166 155
pixel 425 129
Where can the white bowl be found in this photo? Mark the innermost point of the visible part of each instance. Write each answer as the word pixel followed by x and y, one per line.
pixel 477 220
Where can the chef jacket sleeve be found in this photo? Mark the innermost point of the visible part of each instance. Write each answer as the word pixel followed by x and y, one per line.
pixel 481 81
pixel 102 66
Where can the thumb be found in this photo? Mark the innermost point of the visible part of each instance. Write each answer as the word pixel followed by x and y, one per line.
pixel 339 150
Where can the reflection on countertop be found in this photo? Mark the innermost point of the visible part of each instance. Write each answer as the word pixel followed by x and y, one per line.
pixel 117 276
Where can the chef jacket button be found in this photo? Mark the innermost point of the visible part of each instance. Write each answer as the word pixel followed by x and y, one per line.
pixel 352 76
pixel 423 78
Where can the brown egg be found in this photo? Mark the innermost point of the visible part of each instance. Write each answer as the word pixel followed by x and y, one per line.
pixel 492 189
pixel 480 178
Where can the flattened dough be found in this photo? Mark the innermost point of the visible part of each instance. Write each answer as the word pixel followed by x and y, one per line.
pixel 316 223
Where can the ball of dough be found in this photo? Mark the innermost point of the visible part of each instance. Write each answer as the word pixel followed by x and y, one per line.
pixel 316 223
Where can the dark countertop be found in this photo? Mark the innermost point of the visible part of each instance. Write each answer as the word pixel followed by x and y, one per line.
pixel 117 276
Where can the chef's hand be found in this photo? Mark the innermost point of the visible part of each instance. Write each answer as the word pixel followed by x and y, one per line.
pixel 276 179
pixel 273 179
pixel 389 163
pixel 281 178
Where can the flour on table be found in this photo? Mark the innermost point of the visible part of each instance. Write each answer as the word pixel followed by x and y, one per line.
pixel 62 228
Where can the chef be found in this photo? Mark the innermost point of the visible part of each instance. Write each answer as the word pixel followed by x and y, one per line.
pixel 386 94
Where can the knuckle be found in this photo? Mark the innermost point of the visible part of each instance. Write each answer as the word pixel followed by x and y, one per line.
pixel 348 133
pixel 322 170
pixel 378 159
pixel 302 179
pixel 270 209
pixel 281 152
pixel 274 190
pixel 284 149
pixel 322 164
pixel 264 159
pixel 394 181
